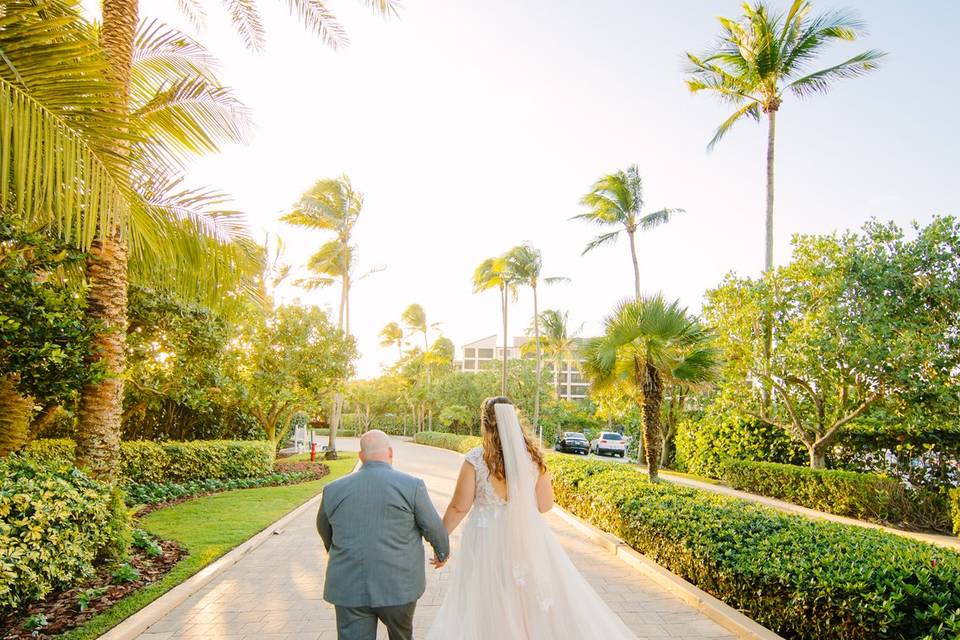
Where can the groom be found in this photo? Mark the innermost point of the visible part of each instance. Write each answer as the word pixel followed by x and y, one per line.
pixel 372 522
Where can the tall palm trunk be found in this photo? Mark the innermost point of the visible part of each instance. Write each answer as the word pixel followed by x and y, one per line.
pixel 343 323
pixel 631 235
pixel 426 364
pixel 766 395
pixel 536 393
pixel 101 403
pixel 503 368
pixel 652 386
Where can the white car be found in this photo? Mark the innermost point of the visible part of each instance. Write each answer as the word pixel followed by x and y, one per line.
pixel 609 442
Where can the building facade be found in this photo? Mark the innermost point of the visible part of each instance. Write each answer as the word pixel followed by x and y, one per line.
pixel 486 352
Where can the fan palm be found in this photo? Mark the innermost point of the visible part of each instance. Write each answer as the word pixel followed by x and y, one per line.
pixel 558 343
pixel 524 264
pixel 763 55
pixel 333 205
pixel 491 273
pixel 647 345
pixel 392 335
pixel 616 200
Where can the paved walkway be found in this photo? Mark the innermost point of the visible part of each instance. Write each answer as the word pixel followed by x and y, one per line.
pixel 275 592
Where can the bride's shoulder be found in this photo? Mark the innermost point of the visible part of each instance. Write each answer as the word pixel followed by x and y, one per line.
pixel 474 456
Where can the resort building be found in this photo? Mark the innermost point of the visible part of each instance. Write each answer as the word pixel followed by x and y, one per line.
pixel 486 352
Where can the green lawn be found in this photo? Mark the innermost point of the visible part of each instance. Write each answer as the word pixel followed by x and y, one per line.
pixel 209 527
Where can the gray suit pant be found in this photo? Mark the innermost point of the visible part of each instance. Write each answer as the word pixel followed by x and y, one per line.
pixel 360 623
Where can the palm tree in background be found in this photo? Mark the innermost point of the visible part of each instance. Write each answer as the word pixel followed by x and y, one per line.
pixel 415 319
pixel 524 264
pixel 99 163
pixel 392 335
pixel 491 273
pixel 763 55
pixel 616 200
pixel 558 342
pixel 647 345
pixel 332 205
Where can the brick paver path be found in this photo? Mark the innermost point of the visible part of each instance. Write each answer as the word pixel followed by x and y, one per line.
pixel 276 591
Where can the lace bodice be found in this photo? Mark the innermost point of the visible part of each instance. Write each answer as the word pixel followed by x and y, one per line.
pixel 485 493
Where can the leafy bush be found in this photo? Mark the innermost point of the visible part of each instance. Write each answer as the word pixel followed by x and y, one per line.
pixel 146 462
pixel 447 441
pixel 342 432
pixel 955 510
pixel 864 496
pixel 54 523
pixel 802 578
pixel 168 491
pixel 143 541
pixel 704 443
pixel 126 572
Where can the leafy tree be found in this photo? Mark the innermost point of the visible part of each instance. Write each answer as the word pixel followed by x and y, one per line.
pixel 860 323
pixel 557 341
pixel 392 335
pixel 763 55
pixel 616 200
pixel 647 345
pixel 493 273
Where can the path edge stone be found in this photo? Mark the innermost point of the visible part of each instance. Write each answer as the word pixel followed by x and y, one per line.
pixel 718 611
pixel 134 625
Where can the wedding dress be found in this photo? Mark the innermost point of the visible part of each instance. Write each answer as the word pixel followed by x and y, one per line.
pixel 510 578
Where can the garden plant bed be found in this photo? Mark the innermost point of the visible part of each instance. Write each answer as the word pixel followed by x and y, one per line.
pixel 62 609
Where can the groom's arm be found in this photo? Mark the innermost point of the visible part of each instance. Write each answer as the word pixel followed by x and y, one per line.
pixel 323 526
pixel 430 524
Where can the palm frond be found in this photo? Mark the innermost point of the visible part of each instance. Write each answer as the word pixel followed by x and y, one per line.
pixel 318 19
pixel 389 8
pixel 162 54
pixel 58 124
pixel 246 20
pixel 657 218
pixel 751 109
pixel 194 11
pixel 601 241
pixel 821 81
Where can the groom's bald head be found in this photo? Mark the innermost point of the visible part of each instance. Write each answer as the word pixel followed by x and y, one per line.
pixel 375 447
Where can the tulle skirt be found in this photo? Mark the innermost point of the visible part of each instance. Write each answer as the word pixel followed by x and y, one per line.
pixel 492 596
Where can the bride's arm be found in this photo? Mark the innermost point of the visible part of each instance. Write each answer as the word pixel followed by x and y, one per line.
pixel 544 492
pixel 462 499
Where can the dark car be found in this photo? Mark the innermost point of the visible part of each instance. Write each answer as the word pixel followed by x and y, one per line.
pixel 572 442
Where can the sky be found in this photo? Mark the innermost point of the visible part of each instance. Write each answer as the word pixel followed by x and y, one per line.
pixel 471 127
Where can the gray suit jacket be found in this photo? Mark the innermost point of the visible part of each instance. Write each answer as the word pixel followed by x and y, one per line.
pixel 372 522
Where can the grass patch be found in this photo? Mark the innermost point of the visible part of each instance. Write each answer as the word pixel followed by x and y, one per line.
pixel 239 515
pixel 690 476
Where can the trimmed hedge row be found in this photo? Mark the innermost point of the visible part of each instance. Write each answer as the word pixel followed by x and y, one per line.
pixel 168 491
pixel 146 462
pixel 450 441
pixel 864 496
pixel 802 578
pixel 955 510
pixel 55 522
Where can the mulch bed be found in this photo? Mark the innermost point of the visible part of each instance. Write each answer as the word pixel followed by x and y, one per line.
pixel 62 610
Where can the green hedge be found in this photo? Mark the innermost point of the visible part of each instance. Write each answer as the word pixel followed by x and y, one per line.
pixel 450 441
pixel 55 521
pixel 146 462
pixel 802 578
pixel 864 496
pixel 167 491
pixel 955 510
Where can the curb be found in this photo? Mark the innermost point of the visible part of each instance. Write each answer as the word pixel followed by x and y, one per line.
pixel 721 613
pixel 140 621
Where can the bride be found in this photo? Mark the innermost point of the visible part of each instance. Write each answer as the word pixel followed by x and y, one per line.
pixel 511 579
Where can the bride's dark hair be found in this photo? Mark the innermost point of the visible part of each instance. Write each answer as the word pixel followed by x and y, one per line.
pixel 492 447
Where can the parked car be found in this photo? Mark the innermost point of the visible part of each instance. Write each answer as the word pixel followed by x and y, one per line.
pixel 609 442
pixel 572 442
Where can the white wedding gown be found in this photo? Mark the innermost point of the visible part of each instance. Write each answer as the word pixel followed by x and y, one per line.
pixel 510 579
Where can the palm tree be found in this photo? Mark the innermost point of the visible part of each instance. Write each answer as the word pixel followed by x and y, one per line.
pixel 392 335
pixel 415 318
pixel 616 200
pixel 331 205
pixel 647 345
pixel 558 343
pixel 524 264
pixel 98 167
pixel 491 273
pixel 764 54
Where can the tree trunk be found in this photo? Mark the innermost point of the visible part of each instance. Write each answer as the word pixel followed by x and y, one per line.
pixel 426 364
pixel 652 398
pixel 536 393
pixel 818 456
pixel 15 412
pixel 101 403
pixel 767 395
pixel 558 365
pixel 636 264
pixel 43 420
pixel 503 372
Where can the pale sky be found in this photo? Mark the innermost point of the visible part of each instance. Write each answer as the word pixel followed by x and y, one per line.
pixel 474 126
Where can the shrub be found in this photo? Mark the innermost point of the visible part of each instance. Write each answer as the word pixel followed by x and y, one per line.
pixel 138 494
pixel 146 462
pixel 448 441
pixel 864 496
pixel 802 578
pixel 955 510
pixel 54 523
